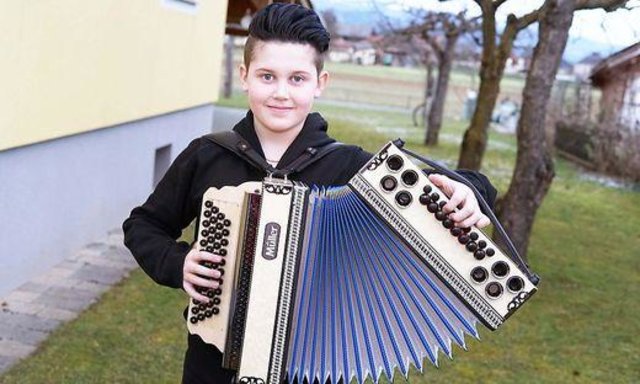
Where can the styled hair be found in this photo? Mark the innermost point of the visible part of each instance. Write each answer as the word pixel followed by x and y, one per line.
pixel 287 23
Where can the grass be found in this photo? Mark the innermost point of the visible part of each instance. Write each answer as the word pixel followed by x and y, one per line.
pixel 580 328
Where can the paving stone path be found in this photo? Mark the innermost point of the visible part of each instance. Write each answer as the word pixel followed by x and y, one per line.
pixel 30 312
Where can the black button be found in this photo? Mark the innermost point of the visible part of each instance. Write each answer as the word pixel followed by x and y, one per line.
pixel 224 242
pixel 403 198
pixel 220 216
pixel 218 236
pixel 207 313
pixel 194 310
pixel 215 310
pixel 427 189
pixel 205 223
pixel 215 209
pixel 424 199
pixel 227 223
pixel 219 226
pixel 479 254
pixel 500 269
pixel 216 301
pixel 471 246
pixel 208 204
pixel 435 197
pixel 432 207
pixel 474 236
pixel 515 284
pixel 456 231
pixel 494 289
pixel 209 249
pixel 447 223
pixel 490 252
pixel 203 242
pixel 440 215
pixel 222 252
pixel 479 274
pixel 409 178
pixel 463 239
pixel 218 291
pixel 207 214
pixel 200 316
pixel 193 320
pixel 482 244
pixel 395 162
pixel 388 183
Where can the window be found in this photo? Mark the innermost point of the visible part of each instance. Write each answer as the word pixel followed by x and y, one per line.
pixel 161 164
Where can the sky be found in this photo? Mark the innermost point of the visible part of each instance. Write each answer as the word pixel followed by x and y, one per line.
pixel 619 29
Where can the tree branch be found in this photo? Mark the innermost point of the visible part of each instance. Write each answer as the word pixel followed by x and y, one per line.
pixel 607 5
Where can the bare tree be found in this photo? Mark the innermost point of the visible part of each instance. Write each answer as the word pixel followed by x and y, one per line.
pixel 495 52
pixel 441 31
pixel 534 169
pixel 330 22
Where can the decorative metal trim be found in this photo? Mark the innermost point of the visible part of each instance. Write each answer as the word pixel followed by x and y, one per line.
pixel 378 159
pixel 278 189
pixel 518 301
pixel 251 380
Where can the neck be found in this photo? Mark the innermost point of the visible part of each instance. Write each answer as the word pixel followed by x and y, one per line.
pixel 275 144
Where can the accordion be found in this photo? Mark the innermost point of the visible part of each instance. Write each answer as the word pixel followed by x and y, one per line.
pixel 348 282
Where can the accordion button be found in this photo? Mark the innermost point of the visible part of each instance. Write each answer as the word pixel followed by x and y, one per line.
pixel 215 209
pixel 208 204
pixel 209 249
pixel 222 252
pixel 463 239
pixel 203 242
pixel 442 204
pixel 215 310
pixel 218 291
pixel 204 232
pixel 515 284
pixel 447 223
pixel 432 207
pixel 409 178
pixel 210 304
pixel 205 223
pixel 211 240
pixel 388 183
pixel 494 290
pixel 456 231
pixel 225 232
pixel 395 162
pixel 200 316
pixel 220 216
pixel 424 199
pixel 218 236
pixel 479 254
pixel 500 269
pixel 224 242
pixel 466 229
pixel 479 274
pixel 440 215
pixel 482 244
pixel 207 214
pixel 474 236
pixel 403 198
pixel 472 246
pixel 490 252
pixel 222 262
pixel 208 313
pixel 194 310
pixel 216 301
pixel 427 189
pixel 193 320
pixel 435 197
pixel 227 223
pixel 219 226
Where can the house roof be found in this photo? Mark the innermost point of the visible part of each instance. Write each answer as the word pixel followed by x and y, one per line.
pixel 237 9
pixel 628 56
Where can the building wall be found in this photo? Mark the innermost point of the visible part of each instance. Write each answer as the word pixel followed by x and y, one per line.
pixel 63 194
pixel 71 66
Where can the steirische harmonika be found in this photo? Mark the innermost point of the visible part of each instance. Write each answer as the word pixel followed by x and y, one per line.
pixel 348 282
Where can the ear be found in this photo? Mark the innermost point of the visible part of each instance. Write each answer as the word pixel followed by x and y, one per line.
pixel 244 72
pixel 323 80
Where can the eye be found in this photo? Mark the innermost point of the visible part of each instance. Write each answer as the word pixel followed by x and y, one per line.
pixel 267 77
pixel 297 79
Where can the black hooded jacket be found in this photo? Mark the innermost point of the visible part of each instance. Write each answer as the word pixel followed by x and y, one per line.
pixel 152 228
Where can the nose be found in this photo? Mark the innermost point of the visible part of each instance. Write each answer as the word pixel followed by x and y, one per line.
pixel 282 90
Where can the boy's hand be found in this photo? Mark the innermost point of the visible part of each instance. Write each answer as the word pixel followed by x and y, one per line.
pixel 461 197
pixel 196 275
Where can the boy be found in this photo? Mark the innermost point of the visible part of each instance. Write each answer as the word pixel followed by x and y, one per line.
pixel 282 74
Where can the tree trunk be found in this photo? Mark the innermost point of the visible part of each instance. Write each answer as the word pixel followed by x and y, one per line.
pixel 494 60
pixel 534 169
pixel 428 98
pixel 436 111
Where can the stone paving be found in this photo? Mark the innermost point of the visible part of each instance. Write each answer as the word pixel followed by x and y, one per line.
pixel 30 312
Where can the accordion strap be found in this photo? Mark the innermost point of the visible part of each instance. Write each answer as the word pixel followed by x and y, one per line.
pixel 235 143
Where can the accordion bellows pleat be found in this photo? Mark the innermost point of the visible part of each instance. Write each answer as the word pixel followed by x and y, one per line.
pixel 366 300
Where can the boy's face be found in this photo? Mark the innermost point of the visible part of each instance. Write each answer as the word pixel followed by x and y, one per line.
pixel 281 83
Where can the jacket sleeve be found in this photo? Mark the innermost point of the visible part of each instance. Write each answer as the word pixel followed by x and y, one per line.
pixel 151 230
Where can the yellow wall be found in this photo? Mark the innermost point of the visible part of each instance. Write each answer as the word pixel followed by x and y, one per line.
pixel 70 66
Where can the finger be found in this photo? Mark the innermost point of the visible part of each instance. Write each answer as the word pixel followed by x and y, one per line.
pixel 483 222
pixel 442 182
pixel 201 270
pixel 459 197
pixel 208 256
pixel 201 281
pixel 191 291
pixel 471 220
pixel 466 212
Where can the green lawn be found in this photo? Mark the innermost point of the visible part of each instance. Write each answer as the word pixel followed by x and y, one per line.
pixel 580 328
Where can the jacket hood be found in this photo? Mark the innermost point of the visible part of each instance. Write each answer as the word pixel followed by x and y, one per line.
pixel 313 134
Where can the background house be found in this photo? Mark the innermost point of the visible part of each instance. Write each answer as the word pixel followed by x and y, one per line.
pixel 97 99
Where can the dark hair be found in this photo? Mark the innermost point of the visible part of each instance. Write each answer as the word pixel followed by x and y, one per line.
pixel 288 23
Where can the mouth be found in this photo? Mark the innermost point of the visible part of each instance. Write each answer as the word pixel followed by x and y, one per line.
pixel 279 108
